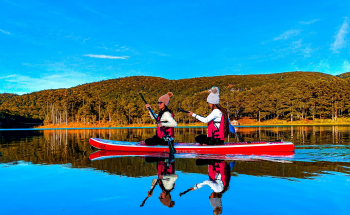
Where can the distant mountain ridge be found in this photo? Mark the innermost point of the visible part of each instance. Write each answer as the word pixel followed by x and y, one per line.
pixel 344 75
pixel 289 95
pixel 5 96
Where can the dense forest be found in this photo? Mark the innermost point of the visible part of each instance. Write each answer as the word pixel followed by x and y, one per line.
pixel 289 96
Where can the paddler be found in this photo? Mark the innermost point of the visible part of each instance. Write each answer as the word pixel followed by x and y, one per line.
pixel 218 125
pixel 166 181
pixel 219 180
pixel 165 119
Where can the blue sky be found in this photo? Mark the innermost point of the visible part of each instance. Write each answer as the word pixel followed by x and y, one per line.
pixel 59 44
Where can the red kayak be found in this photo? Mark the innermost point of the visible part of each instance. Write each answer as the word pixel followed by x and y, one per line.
pixel 103 154
pixel 226 148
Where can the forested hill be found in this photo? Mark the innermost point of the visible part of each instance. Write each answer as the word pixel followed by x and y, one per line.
pixel 5 96
pixel 344 75
pixel 290 96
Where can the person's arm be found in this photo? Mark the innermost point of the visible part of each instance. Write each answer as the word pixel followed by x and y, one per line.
pixel 148 107
pixel 152 115
pixel 198 186
pixel 216 113
pixel 169 121
pixel 154 181
pixel 216 187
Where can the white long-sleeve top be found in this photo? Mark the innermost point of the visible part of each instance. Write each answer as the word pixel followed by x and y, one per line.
pixel 217 186
pixel 167 120
pixel 215 116
pixel 168 181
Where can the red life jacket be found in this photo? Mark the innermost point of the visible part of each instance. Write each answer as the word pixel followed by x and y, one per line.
pixel 163 169
pixel 169 130
pixel 218 133
pixel 218 167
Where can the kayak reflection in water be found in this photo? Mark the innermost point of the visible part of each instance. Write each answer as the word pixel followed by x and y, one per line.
pixel 218 123
pixel 219 180
pixel 166 180
pixel 166 121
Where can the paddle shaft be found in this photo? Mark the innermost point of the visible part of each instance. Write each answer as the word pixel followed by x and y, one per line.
pixel 182 110
pixel 151 191
pixel 183 193
pixel 171 147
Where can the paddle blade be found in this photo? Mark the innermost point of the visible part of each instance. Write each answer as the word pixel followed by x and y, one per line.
pixel 231 128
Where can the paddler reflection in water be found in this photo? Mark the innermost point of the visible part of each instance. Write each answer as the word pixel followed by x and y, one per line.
pixel 218 123
pixel 166 180
pixel 219 179
pixel 166 121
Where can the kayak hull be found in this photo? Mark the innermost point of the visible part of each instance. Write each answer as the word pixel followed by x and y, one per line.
pixel 227 148
pixel 103 154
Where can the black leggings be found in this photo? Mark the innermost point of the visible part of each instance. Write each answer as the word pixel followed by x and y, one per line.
pixel 155 140
pixel 203 139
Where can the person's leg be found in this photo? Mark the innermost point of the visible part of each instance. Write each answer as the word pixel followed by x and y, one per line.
pixel 202 139
pixel 215 141
pixel 220 142
pixel 152 141
pixel 202 162
pixel 155 140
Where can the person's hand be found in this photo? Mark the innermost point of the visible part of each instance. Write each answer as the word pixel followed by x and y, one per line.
pixel 148 106
pixel 160 177
pixel 160 124
pixel 149 194
pixel 190 113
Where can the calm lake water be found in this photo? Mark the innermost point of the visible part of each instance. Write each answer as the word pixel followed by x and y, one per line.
pixel 49 172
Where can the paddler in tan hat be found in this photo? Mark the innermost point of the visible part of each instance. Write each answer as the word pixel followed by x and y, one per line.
pixel 166 121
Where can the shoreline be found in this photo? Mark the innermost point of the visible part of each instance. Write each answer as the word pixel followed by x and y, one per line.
pixel 153 127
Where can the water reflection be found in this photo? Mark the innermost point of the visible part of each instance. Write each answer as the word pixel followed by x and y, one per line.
pixel 318 149
pixel 320 166
pixel 165 180
pixel 219 180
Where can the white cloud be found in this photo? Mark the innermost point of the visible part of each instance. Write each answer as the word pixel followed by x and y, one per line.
pixel 346 66
pixel 106 56
pixel 309 22
pixel 340 38
pixel 7 76
pixel 21 84
pixel 323 66
pixel 287 34
pixel 298 46
pixel 5 32
pixel 307 51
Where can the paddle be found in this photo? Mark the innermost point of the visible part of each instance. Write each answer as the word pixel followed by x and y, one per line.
pixel 231 128
pixel 182 110
pixel 183 193
pixel 167 138
pixel 151 191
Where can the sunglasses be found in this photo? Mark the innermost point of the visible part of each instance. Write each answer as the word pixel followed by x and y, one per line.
pixel 160 102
